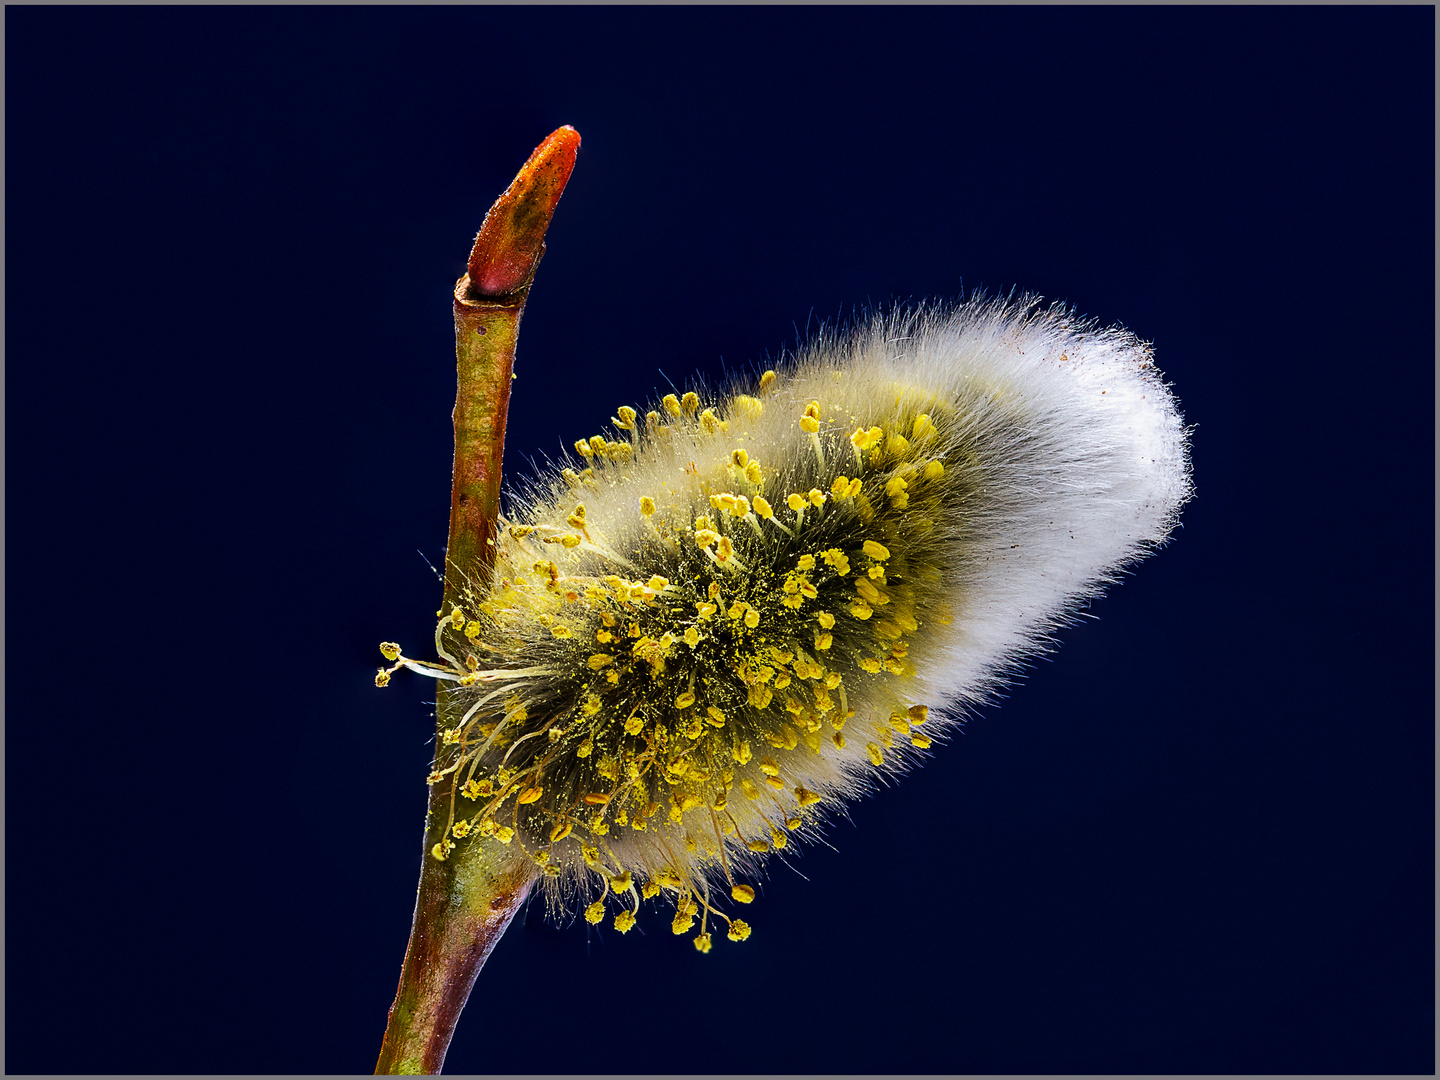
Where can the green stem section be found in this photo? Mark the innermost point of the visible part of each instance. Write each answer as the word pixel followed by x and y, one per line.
pixel 465 901
pixel 465 904
pixel 485 336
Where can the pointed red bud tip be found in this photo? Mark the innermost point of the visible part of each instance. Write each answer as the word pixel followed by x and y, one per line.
pixel 513 235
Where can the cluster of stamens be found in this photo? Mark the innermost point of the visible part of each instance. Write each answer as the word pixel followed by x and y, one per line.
pixel 655 702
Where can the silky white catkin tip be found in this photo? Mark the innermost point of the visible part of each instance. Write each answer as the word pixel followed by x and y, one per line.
pixel 737 608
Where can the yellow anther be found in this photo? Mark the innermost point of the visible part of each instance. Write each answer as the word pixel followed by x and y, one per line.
pixel 918 713
pixel 705 537
pixel 390 650
pixel 934 470
pixel 504 833
pixel 839 740
pixel 752 618
pixel 740 506
pixel 897 445
pixel 823 640
pixel 681 923
pixel 570 540
pixel 442 849
pixel 795 502
pixel 740 751
pixel 597 444
pixel 457 618
pixel 813 409
pixel 560 832
pixel 461 828
pixel 739 458
pixel 867 591
pixel 599 660
pixel 671 404
pixel 748 406
pixel 690 402
pixel 817 497
pixel 877 756
pixel 691 636
pixel 805 562
pixel 624 921
pixel 450 736
pixel 809 424
pixel 840 488
pixel 702 943
pixel 658 583
pixel 685 700
pixel 922 427
pixel 382 678
pixel 583 750
pixel 716 717
pixel 634 725
pixel 595 912
pixel 876 573
pixel 519 532
pixel 529 795
pixel 876 551
pixel 861 610
pixel 752 473
pixel 769 767
pixel 743 894
pixel 805 797
pixel 750 790
pixel 705 610
pixel 724 548
pixel 709 422
pixel 626 418
pixel 778 838
pixel 758 845
pixel 582 447
pixel 739 930
pixel 825 619
pixel 864 440
pixel 560 631
pixel 595 798
pixel 922 741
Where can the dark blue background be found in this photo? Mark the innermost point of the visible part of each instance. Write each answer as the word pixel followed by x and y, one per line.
pixel 1199 838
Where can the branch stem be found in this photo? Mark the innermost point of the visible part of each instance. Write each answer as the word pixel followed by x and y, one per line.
pixel 466 900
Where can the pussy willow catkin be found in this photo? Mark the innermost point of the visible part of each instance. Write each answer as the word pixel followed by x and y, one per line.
pixel 734 610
